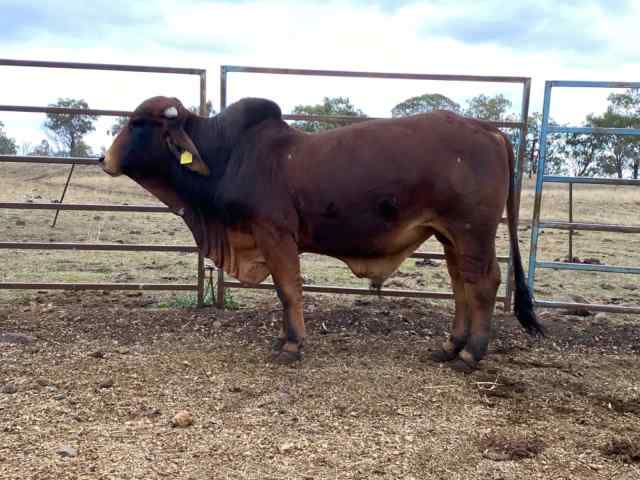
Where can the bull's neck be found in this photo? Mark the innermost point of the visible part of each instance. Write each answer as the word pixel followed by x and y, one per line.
pixel 198 190
pixel 205 134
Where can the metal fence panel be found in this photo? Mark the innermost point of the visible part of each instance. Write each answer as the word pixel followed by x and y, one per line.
pixel 198 286
pixel 541 178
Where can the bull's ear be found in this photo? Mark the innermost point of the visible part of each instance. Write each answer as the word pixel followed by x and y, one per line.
pixel 185 151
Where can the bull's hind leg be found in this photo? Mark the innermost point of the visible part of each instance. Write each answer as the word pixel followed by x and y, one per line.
pixel 281 254
pixel 461 321
pixel 481 287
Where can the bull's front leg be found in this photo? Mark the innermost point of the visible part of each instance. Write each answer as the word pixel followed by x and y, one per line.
pixel 282 257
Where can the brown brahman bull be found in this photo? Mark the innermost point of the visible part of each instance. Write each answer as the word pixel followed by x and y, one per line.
pixel 256 192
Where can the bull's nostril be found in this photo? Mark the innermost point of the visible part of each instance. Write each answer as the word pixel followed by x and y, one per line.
pixel 101 159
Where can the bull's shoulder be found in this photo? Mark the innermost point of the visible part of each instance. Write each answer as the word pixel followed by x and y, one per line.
pixel 255 181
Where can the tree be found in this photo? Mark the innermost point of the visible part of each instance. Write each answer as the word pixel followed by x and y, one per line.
pixel 7 145
pixel 622 150
pixel 554 145
pixel 627 103
pixel 532 149
pixel 624 111
pixel 337 106
pixel 583 153
pixel 68 130
pixel 42 150
pixel 423 104
pixel 489 108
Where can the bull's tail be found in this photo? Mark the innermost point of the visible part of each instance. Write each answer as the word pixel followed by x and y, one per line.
pixel 523 305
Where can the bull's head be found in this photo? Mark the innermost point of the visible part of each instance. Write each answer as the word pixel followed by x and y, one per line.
pixel 153 139
pixel 181 158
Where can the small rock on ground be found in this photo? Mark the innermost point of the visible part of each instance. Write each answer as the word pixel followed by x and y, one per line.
pixel 67 452
pixel 106 383
pixel 182 419
pixel 9 388
pixel 286 447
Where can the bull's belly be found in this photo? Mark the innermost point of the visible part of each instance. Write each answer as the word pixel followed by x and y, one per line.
pixel 376 254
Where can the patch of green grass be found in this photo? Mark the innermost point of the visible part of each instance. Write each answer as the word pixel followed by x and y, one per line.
pixel 229 302
pixel 191 301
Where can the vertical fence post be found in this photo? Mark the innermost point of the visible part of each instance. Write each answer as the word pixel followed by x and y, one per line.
pixel 518 173
pixel 223 104
pixel 204 113
pixel 201 280
pixel 537 203
pixel 571 221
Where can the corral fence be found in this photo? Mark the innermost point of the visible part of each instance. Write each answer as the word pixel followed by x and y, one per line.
pixel 197 287
pixel 520 126
pixel 541 178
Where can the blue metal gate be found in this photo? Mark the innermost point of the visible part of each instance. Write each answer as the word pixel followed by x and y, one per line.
pixel 541 178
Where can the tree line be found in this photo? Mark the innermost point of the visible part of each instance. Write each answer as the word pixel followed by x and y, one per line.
pixel 567 154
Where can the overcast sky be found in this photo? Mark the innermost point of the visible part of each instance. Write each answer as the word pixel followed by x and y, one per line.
pixel 543 39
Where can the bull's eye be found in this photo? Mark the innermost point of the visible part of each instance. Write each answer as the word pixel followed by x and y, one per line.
pixel 137 123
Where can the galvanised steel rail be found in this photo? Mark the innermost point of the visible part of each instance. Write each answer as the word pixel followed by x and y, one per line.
pixel 101 66
pixel 99 286
pixel 592 307
pixel 84 207
pixel 591 180
pixel 64 110
pixel 541 178
pixel 352 291
pixel 360 74
pixel 198 286
pixel 521 126
pixel 97 247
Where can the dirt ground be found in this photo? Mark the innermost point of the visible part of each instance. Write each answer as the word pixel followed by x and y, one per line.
pixel 90 383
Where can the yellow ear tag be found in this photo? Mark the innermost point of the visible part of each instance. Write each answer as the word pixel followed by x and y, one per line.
pixel 186 158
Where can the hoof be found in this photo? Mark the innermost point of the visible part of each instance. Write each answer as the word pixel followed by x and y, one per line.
pixel 277 344
pixel 283 357
pixel 459 365
pixel 441 356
